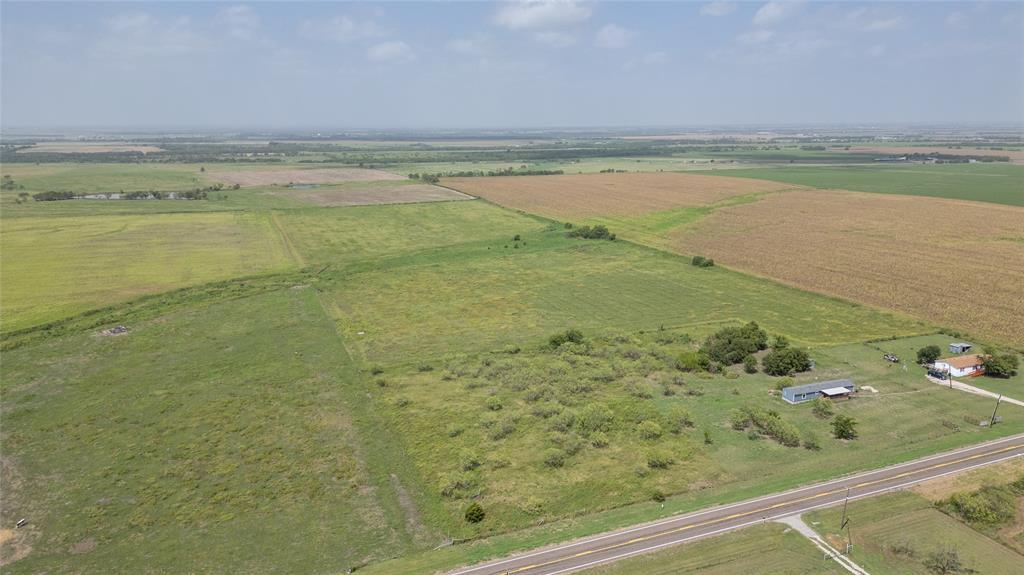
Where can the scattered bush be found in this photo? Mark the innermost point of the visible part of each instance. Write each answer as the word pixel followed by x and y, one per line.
pixel 599 440
pixel 493 403
pixel 658 496
pixel 844 427
pixel 475 513
pixel 469 461
pixel 693 361
pixel 767 422
pixel 822 408
pixel 659 460
pixel 455 486
pixel 597 232
pixel 993 505
pixel 811 442
pixel 502 429
pixel 425 367
pixel 595 418
pixel 649 430
pixel 376 370
pixel 554 457
pixel 569 336
pixel 750 364
pixel 946 562
pixel 702 262
pixel 707 437
pixel 786 361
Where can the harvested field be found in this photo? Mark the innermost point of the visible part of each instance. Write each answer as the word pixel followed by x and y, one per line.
pixel 88 148
pixel 257 177
pixel 595 195
pixel 1016 156
pixel 372 195
pixel 951 262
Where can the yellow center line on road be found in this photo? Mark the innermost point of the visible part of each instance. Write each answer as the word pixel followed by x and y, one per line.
pixel 752 512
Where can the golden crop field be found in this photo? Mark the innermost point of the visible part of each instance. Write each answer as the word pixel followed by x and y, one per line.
pixel 594 195
pixel 951 262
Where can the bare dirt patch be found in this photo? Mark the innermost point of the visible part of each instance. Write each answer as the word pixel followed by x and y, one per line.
pixel 593 195
pixel 259 177
pixel 83 546
pixel 948 262
pixel 88 148
pixel 1016 156
pixel 371 195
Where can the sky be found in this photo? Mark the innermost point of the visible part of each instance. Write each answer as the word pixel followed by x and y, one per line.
pixel 522 64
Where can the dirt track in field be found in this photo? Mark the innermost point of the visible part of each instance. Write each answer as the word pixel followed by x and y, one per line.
pixel 258 177
pixel 954 263
pixel 593 195
pixel 371 195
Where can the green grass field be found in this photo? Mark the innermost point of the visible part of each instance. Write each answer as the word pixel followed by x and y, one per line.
pixel 999 183
pixel 201 441
pixel 56 267
pixel 908 521
pixel 760 549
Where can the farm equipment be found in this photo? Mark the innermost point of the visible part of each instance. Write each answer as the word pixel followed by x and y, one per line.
pixel 891 358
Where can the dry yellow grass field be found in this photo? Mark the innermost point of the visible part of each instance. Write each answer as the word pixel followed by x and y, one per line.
pixel 372 195
pixel 594 195
pixel 951 262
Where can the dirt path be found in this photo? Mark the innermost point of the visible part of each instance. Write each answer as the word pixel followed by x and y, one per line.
pixel 975 390
pixel 288 245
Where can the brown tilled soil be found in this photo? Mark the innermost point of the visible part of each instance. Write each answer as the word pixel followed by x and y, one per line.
pixel 593 195
pixel 258 177
pixel 359 196
pixel 953 263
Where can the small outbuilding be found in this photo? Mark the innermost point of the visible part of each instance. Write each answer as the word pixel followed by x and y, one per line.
pixel 835 389
pixel 961 366
pixel 960 347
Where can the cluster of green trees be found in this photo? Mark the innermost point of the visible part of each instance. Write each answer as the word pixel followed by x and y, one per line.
pixel 613 171
pixel 786 361
pixel 767 421
pixel 702 262
pixel 734 345
pixel 998 364
pixel 597 232
pixel 194 194
pixel 510 171
pixel 928 354
pixel 7 183
pixel 989 506
pixel 731 345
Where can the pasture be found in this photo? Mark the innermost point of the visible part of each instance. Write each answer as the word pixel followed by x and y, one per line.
pixel 368 194
pixel 270 176
pixel 993 183
pixel 172 448
pixel 56 267
pixel 895 533
pixel 930 258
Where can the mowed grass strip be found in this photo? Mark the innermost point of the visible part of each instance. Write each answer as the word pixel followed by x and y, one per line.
pixel 345 235
pixel 483 296
pixel 56 267
pixel 954 263
pixel 760 549
pixel 575 197
pixel 884 529
pixel 216 438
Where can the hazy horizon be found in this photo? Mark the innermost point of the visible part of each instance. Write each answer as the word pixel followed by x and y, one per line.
pixel 510 65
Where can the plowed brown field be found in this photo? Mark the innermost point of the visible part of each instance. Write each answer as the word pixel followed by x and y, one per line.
pixel 951 262
pixel 593 195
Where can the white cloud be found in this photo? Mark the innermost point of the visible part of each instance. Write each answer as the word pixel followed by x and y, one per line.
pixel 240 22
pixel 131 36
pixel 533 14
pixel 555 39
pixel 876 50
pixel 391 51
pixel 465 46
pixel 756 36
pixel 649 59
pixel 775 12
pixel 956 19
pixel 341 28
pixel 612 36
pixel 718 8
pixel 872 20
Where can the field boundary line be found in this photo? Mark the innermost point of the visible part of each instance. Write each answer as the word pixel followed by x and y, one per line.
pixel 287 241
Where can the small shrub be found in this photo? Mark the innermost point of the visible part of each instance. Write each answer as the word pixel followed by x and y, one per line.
pixel 658 496
pixel 928 354
pixel 563 421
pixel 738 419
pixel 595 418
pixel 811 441
pixel 469 461
pixel 598 440
pixel 659 461
pixel 454 486
pixel 502 429
pixel 707 437
pixel 475 513
pixel 750 364
pixel 702 262
pixel 844 427
pixel 822 408
pixel 649 430
pixel 493 403
pixel 453 430
pixel 425 367
pixel 554 457
pixel 376 370
pixel 569 336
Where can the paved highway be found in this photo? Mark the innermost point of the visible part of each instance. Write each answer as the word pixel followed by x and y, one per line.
pixel 604 548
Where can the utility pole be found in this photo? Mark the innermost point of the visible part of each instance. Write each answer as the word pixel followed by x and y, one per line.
pixel 846 502
pixel 992 420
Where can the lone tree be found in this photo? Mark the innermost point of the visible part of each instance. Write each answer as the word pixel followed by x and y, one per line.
pixel 475 513
pixel 1001 365
pixel 946 562
pixel 928 354
pixel 844 427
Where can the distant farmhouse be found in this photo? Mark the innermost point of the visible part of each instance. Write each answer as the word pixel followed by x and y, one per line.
pixel 962 366
pixel 836 389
